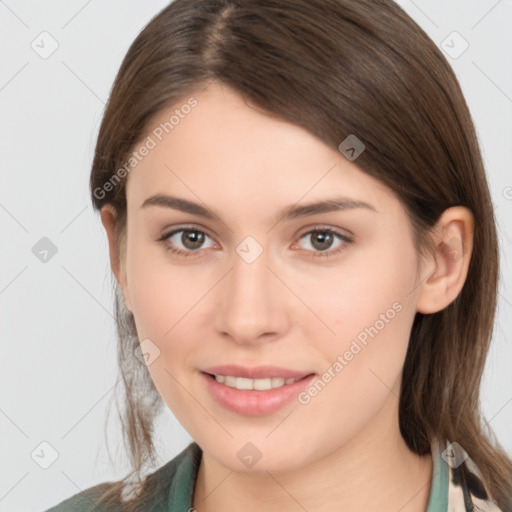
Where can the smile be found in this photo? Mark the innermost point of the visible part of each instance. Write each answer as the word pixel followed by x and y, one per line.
pixel 255 384
pixel 254 397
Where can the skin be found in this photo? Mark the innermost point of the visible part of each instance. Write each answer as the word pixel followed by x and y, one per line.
pixel 287 308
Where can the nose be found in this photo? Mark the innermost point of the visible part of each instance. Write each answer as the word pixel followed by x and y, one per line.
pixel 253 304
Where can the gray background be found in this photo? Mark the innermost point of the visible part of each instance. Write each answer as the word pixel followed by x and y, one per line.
pixel 58 352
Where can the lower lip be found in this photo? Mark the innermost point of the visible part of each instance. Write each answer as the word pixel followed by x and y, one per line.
pixel 255 402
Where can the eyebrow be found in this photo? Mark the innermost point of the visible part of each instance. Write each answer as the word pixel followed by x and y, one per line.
pixel 291 212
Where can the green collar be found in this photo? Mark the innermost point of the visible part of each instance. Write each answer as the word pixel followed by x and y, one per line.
pixel 438 499
pixel 181 492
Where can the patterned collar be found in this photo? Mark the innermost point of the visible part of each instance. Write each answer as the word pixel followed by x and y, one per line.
pixel 455 490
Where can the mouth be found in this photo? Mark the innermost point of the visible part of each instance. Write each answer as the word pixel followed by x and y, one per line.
pixel 254 397
pixel 246 384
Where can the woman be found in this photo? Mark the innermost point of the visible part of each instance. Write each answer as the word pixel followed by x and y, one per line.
pixel 305 260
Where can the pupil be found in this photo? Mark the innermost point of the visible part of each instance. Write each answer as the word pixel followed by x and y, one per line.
pixel 192 239
pixel 324 240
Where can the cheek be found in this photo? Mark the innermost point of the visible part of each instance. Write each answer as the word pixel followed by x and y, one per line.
pixel 369 307
pixel 154 305
pixel 367 288
pixel 161 293
pixel 163 300
pixel 167 303
pixel 362 369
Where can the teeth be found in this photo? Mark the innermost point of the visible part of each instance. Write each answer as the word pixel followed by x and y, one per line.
pixel 257 384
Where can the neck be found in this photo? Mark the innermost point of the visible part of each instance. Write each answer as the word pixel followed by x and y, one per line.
pixel 375 470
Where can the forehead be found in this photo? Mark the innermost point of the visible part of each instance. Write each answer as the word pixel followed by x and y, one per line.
pixel 225 151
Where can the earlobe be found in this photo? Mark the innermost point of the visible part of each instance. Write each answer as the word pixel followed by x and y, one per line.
pixel 446 270
pixel 108 219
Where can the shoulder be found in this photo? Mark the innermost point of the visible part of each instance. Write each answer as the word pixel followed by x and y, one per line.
pixel 175 477
pixel 86 501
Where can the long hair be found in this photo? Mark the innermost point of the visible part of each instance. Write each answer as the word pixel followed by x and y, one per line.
pixel 333 67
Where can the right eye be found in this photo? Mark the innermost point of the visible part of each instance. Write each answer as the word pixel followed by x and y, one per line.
pixel 184 241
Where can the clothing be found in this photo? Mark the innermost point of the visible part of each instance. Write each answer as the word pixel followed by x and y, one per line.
pixel 174 483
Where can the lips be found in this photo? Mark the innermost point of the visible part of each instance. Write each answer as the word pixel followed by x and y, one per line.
pixel 257 372
pixel 254 402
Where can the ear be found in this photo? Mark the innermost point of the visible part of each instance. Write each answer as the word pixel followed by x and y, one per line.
pixel 108 219
pixel 447 268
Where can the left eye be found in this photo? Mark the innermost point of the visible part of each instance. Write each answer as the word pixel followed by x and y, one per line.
pixel 322 240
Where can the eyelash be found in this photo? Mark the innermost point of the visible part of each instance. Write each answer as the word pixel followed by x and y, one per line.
pixel 317 229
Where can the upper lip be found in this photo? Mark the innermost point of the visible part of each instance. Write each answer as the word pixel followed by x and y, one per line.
pixel 256 372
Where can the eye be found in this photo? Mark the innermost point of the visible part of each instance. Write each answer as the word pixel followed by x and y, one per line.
pixel 323 239
pixel 184 241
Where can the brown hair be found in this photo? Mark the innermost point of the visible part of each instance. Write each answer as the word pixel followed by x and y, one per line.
pixel 333 67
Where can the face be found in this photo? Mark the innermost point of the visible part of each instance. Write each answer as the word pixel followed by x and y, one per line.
pixel 326 293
